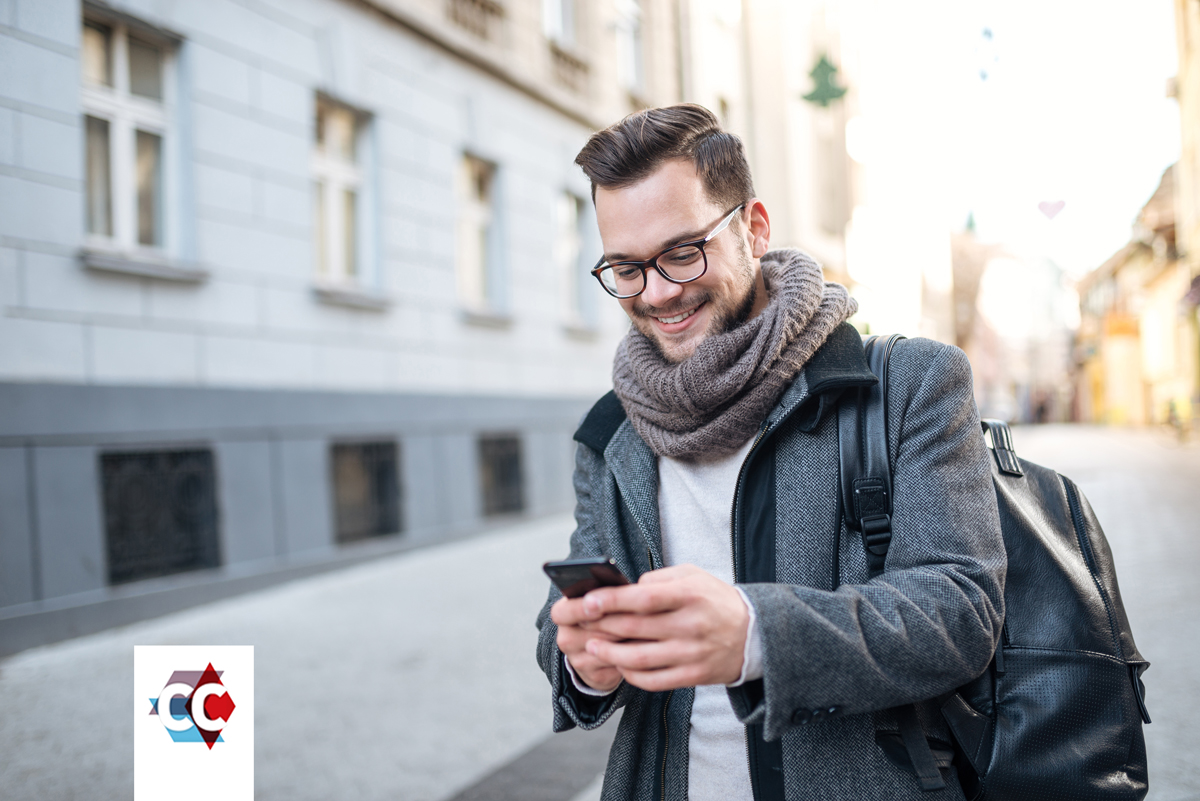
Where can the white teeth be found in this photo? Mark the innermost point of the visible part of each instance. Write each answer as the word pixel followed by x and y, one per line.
pixel 677 318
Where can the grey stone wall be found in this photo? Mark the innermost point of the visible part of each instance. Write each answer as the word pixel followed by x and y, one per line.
pixel 271 450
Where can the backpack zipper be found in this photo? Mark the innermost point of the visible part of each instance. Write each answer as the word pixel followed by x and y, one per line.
pixel 1089 557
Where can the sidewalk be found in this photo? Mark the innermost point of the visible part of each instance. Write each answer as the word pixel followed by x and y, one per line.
pixel 411 677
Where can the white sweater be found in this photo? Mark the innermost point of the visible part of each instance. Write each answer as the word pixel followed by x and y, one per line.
pixel 695 500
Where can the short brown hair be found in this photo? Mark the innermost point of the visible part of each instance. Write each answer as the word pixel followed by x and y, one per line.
pixel 624 153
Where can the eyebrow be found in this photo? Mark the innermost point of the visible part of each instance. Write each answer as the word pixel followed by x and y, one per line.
pixel 691 236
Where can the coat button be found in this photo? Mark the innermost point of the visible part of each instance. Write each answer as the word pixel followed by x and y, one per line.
pixel 833 710
pixel 800 716
pixel 818 714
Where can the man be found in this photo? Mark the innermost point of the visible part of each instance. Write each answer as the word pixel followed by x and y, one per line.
pixel 754 657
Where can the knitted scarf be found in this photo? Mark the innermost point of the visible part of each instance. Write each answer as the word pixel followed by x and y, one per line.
pixel 709 404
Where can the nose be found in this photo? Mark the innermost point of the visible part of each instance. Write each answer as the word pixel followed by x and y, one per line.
pixel 660 292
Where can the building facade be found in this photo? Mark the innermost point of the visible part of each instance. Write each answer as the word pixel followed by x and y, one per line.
pixel 1137 340
pixel 277 277
pixel 1138 352
pixel 1187 195
pixel 283 282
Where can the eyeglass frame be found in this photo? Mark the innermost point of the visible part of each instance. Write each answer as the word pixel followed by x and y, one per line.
pixel 652 262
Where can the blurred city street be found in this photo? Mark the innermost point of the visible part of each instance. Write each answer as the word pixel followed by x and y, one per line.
pixel 413 677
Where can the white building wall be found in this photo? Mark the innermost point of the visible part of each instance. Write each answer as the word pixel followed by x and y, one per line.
pixel 248 78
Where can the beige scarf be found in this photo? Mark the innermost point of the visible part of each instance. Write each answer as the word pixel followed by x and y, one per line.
pixel 708 405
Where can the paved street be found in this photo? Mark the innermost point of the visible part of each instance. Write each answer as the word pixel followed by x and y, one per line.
pixel 412 677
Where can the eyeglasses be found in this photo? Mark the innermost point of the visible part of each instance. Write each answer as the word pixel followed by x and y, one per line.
pixel 679 264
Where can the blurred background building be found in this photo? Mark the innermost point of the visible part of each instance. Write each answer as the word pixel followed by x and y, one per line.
pixel 1138 349
pixel 278 277
pixel 281 276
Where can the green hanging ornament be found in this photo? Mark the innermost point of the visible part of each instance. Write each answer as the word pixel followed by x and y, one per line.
pixel 826 90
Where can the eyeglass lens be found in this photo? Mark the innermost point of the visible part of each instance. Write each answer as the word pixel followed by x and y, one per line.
pixel 681 264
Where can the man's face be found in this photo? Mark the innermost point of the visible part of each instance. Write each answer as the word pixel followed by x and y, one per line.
pixel 668 207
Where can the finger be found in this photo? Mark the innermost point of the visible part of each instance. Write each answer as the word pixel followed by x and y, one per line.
pixel 597 676
pixel 661 680
pixel 642 655
pixel 638 599
pixel 568 612
pixel 573 639
pixel 623 626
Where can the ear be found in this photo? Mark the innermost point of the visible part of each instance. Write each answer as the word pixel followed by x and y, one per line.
pixel 758 227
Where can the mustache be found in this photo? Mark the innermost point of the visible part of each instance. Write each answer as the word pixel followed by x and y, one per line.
pixel 681 305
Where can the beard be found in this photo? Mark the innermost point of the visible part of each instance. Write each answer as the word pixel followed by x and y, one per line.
pixel 728 313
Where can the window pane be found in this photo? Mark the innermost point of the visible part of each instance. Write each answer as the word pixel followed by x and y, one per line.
pixel 160 513
pixel 501 478
pixel 474 230
pixel 567 247
pixel 336 131
pixel 97 54
pixel 319 235
pixel 629 45
pixel 366 490
pixel 145 69
pixel 149 191
pixel 349 202
pixel 341 124
pixel 99 187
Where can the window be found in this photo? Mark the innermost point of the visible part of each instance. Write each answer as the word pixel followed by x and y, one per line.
pixel 500 476
pixel 366 489
pixel 160 513
pixel 477 237
pixel 483 18
pixel 558 21
pixel 560 24
pixel 630 56
pixel 337 190
pixel 126 128
pixel 571 259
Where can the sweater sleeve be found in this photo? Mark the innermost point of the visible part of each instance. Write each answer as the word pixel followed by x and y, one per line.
pixel 931 620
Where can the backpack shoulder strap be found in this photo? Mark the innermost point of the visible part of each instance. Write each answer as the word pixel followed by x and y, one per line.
pixel 867 503
pixel 866 474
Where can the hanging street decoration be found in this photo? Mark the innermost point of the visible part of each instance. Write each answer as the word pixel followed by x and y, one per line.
pixel 824 76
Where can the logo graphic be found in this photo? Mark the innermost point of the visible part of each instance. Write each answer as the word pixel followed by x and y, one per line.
pixel 194 706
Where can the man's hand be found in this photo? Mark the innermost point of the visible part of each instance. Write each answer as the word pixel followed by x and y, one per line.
pixel 568 614
pixel 677 627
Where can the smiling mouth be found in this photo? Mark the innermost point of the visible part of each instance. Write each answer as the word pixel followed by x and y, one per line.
pixel 679 318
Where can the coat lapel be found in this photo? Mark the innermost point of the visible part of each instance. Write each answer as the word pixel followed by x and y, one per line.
pixel 635 468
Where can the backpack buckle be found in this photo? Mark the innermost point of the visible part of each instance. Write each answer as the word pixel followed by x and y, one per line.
pixel 877 533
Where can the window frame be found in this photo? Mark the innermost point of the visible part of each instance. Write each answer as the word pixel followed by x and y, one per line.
pixel 332 175
pixel 578 288
pixel 481 288
pixel 630 28
pixel 126 115
pixel 561 28
pixel 507 492
pixel 385 501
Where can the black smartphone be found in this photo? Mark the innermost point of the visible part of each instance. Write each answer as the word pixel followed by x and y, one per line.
pixel 576 577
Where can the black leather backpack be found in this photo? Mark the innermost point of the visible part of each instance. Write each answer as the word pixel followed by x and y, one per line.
pixel 1058 713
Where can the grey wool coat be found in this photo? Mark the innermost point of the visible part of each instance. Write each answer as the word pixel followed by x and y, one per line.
pixel 834 661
